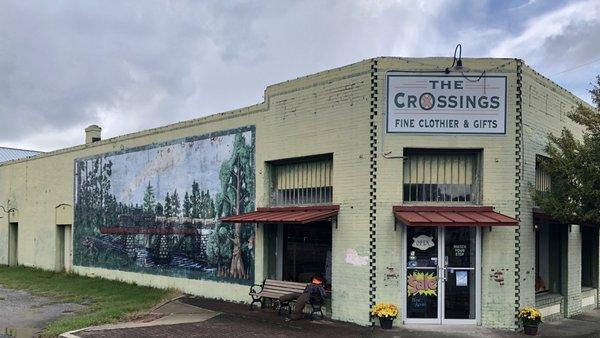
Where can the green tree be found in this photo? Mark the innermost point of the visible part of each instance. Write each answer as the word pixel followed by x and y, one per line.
pixel 187 205
pixel 573 165
pixel 175 203
pixel 95 206
pixel 195 200
pixel 160 210
pixel 149 202
pixel 237 196
pixel 168 206
pixel 218 247
pixel 208 205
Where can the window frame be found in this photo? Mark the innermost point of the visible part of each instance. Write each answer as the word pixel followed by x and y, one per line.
pixel 462 154
pixel 318 195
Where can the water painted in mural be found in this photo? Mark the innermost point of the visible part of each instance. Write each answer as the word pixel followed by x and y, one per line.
pixel 155 209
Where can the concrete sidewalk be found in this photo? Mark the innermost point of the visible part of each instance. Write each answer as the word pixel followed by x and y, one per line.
pixel 171 313
pixel 199 317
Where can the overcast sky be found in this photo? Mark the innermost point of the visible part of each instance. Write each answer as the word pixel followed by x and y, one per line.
pixel 132 65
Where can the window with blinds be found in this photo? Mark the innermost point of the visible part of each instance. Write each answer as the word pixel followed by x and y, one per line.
pixel 542 178
pixel 302 181
pixel 445 176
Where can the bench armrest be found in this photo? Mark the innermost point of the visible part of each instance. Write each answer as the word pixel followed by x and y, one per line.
pixel 255 288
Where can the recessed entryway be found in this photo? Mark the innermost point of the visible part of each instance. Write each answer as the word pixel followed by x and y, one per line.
pixel 63 248
pixel 13 244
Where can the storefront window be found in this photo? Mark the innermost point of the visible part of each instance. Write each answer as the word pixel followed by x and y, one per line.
pixel 548 260
pixel 589 256
pixel 302 181
pixel 294 252
pixel 441 176
pixel 307 251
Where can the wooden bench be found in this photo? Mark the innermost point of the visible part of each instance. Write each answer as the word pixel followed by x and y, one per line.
pixel 273 289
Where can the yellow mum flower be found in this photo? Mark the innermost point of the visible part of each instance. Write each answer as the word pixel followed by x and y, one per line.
pixel 385 310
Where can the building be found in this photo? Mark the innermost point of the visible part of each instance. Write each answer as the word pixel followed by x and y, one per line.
pixel 398 181
pixel 9 154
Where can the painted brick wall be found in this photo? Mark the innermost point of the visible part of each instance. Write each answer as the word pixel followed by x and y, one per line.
pixel 573 277
pixel 329 113
pixel 340 111
pixel 545 109
pixel 323 113
pixel 498 246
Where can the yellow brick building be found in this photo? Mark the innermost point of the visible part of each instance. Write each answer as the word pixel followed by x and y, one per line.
pixel 107 207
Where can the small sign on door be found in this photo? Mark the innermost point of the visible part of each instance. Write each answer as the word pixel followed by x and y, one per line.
pixel 462 278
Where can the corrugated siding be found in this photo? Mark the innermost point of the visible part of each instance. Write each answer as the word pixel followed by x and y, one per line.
pixel 8 154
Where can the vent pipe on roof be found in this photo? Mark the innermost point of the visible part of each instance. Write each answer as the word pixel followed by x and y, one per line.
pixel 92 134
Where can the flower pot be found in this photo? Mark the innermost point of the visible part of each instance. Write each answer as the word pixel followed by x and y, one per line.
pixel 386 323
pixel 530 329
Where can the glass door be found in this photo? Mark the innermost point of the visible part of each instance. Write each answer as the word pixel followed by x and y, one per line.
pixel 422 274
pixel 460 277
pixel 442 275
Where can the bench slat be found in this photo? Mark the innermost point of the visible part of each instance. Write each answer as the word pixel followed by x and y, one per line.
pixel 275 288
pixel 269 295
pixel 283 292
pixel 283 283
pixel 272 287
pixel 301 286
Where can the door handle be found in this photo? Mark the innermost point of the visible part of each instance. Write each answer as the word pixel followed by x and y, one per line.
pixel 443 273
pixel 445 268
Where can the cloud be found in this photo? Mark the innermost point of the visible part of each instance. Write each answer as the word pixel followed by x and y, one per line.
pixel 129 66
pixel 548 27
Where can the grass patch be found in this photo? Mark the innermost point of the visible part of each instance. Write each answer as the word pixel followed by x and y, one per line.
pixel 107 301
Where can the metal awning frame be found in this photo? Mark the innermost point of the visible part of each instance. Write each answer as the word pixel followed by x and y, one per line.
pixel 450 215
pixel 327 212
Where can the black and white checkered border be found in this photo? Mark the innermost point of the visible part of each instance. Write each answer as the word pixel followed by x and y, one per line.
pixel 373 186
pixel 518 179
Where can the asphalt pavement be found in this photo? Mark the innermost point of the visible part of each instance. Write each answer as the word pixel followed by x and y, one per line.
pixel 23 314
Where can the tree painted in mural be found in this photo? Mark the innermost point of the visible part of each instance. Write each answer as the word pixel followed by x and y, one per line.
pixel 155 209
pixel 236 196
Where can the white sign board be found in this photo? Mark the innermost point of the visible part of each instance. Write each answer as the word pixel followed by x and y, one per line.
pixel 455 104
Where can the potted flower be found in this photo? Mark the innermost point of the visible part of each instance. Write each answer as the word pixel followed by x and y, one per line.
pixel 386 313
pixel 531 319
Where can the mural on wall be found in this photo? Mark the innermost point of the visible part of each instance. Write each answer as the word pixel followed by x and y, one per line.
pixel 155 209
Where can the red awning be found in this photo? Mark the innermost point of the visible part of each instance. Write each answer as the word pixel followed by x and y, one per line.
pixel 451 216
pixel 294 215
pixel 539 214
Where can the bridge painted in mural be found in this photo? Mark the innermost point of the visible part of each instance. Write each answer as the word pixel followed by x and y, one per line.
pixel 159 234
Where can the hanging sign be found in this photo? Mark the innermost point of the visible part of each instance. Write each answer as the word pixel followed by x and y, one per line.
pixel 455 104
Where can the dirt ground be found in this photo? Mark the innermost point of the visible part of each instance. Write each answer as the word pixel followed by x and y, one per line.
pixel 23 314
